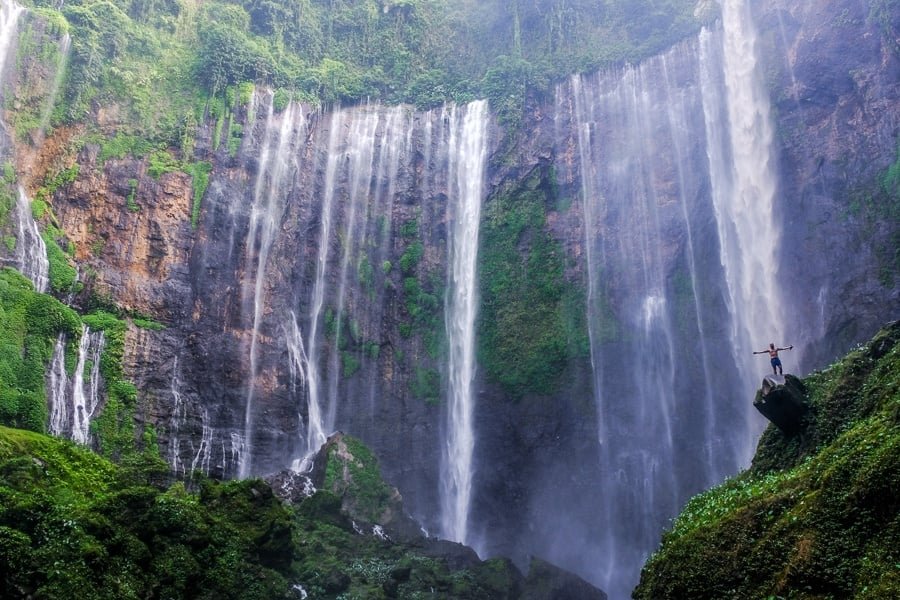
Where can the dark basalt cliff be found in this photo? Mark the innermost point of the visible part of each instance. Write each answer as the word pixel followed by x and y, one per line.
pixel 833 69
pixel 337 222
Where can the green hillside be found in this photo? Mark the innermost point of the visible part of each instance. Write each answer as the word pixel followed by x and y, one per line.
pixel 817 515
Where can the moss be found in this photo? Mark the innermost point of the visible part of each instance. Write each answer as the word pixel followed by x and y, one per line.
pixel 352 472
pixel 530 326
pixel 815 517
pixel 114 428
pixel 29 325
pixel 63 276
pixel 199 173
pixel 70 518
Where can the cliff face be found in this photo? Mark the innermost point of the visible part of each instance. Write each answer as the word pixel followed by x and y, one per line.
pixel 833 70
pixel 309 292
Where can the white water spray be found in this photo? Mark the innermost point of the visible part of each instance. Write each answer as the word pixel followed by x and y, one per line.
pixel 743 191
pixel 86 393
pixel 56 393
pixel 275 165
pixel 466 171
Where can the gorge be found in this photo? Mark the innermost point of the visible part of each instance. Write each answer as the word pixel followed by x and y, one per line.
pixel 544 330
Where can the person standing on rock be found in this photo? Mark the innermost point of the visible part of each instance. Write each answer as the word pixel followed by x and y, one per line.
pixel 773 354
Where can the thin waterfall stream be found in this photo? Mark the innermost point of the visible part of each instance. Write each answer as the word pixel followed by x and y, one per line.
pixel 466 168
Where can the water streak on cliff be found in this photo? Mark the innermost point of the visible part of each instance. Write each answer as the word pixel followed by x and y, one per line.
pixel 31 251
pixel 86 393
pixel 651 143
pixel 58 380
pixel 743 193
pixel 467 153
pixel 276 163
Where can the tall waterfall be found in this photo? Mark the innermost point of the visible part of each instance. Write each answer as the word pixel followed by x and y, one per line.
pixel 674 163
pixel 743 192
pixel 31 251
pixel 466 168
pixel 276 162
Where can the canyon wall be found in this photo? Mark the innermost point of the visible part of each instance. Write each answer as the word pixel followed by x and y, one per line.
pixel 312 290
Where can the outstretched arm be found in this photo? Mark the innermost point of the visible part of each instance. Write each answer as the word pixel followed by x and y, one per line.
pixel 791 347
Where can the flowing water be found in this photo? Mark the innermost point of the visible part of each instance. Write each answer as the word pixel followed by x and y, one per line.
pixel 680 144
pixel 74 401
pixel 86 390
pixel 277 162
pixel 58 381
pixel 466 166
pixel 31 251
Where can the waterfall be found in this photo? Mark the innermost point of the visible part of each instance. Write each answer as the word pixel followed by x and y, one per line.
pixel 743 192
pixel 359 158
pixel 56 392
pixel 275 165
pixel 673 159
pixel 74 401
pixel 203 454
pixel 9 17
pixel 316 427
pixel 178 420
pixel 31 252
pixel 466 168
pixel 86 394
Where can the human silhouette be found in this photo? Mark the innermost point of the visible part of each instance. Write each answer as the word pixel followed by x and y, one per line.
pixel 773 355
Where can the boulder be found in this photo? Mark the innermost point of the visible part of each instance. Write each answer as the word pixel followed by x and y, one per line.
pixel 548 582
pixel 782 400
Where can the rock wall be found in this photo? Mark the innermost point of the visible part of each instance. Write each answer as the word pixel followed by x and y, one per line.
pixel 324 234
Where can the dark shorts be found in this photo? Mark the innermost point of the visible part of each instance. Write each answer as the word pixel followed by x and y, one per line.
pixel 776 362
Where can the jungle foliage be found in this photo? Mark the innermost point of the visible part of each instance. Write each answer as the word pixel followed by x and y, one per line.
pixel 818 515
pixel 72 522
pixel 531 323
pixel 162 61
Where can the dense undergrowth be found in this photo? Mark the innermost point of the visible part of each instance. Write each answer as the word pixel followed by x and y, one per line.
pixel 817 515
pixel 531 324
pixel 73 523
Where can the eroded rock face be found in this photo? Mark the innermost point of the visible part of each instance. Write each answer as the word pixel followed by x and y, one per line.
pixel 273 260
pixel 834 71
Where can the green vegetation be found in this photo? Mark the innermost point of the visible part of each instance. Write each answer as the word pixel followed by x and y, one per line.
pixel 29 325
pixel 70 521
pixel 817 515
pixel 199 171
pixel 352 472
pixel 164 64
pixel 426 385
pixel 530 325
pixel 114 427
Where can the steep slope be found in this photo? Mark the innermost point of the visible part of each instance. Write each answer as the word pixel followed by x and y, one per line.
pixel 817 515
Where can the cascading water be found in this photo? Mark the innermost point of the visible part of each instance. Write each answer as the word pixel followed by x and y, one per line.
pixel 467 153
pixel 31 251
pixel 86 393
pixel 178 420
pixel 744 193
pixel 680 143
pixel 74 401
pixel 275 166
pixel 359 157
pixel 56 390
